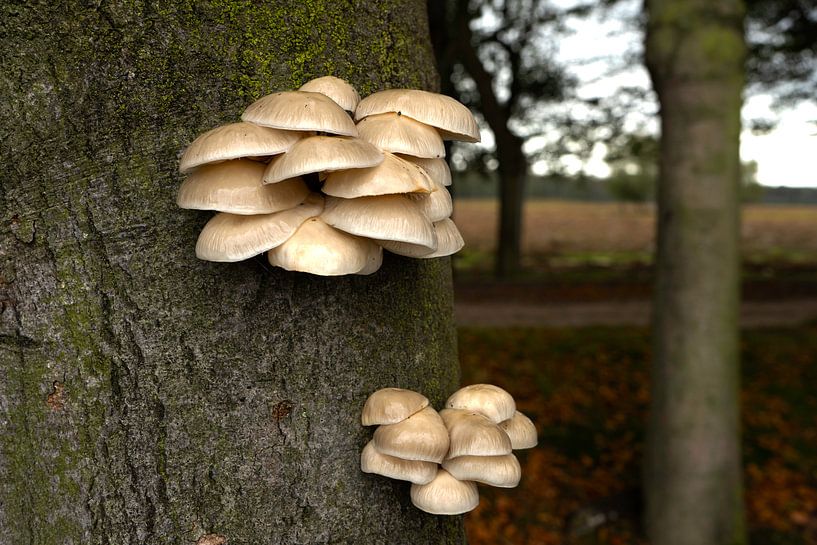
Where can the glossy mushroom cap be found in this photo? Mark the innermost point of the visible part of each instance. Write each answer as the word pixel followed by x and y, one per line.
pixel 320 249
pixel 415 471
pixel 521 430
pixel 487 399
pixel 400 134
pixel 335 88
pixel 437 205
pixel 300 111
pixel 322 154
pixel 445 495
pixel 391 405
pixel 437 169
pixel 472 434
pixel 230 237
pixel 421 436
pixel 500 471
pixel 449 241
pixel 385 217
pixel 234 141
pixel 393 175
pixel 235 187
pixel 453 119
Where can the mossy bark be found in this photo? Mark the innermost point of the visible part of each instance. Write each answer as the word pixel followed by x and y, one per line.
pixel 695 54
pixel 146 396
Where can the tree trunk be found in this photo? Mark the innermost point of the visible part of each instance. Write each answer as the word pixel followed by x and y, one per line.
pixel 512 170
pixel 513 166
pixel 695 54
pixel 146 396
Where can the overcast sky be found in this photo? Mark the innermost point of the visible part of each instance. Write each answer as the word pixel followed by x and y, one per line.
pixel 785 156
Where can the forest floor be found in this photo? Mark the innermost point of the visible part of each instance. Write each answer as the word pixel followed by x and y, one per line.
pixel 569 339
pixel 587 391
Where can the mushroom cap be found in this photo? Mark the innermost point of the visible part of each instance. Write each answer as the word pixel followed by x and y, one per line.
pixel 437 205
pixel 230 237
pixel 421 436
pixel 400 134
pixel 521 430
pixel 373 261
pixel 449 241
pixel 300 111
pixel 454 120
pixel 487 399
pixel 318 248
pixel 393 175
pixel 385 217
pixel 472 434
pixel 415 471
pixel 335 88
pixel 391 405
pixel 234 141
pixel 500 471
pixel 322 153
pixel 445 495
pixel 437 169
pixel 235 187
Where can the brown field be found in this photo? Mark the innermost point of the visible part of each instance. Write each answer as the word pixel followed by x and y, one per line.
pixel 563 228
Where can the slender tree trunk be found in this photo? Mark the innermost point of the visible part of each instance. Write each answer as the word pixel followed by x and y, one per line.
pixel 513 165
pixel 146 396
pixel 513 170
pixel 695 53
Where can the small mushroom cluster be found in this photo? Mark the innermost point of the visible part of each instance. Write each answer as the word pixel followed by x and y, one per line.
pixel 473 439
pixel 298 179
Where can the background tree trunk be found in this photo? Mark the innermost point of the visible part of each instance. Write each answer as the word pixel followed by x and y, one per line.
pixel 695 54
pixel 146 396
pixel 513 165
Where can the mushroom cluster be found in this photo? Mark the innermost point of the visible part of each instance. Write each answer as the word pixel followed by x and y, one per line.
pixel 299 179
pixel 472 438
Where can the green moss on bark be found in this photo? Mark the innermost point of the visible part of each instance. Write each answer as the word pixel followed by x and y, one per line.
pixel 196 397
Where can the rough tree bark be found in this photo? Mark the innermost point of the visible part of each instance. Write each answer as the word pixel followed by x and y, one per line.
pixel 146 396
pixel 695 54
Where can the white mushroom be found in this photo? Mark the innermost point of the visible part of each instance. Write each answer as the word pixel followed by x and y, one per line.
pixel 322 154
pixel 472 434
pixel 453 119
pixel 236 187
pixel 521 430
pixel 487 399
pixel 391 405
pixel 318 248
pixel 445 495
pixel 385 217
pixel 421 436
pixel 230 237
pixel 335 88
pixel 400 134
pixel 393 175
pixel 500 471
pixel 415 471
pixel 234 141
pixel 300 111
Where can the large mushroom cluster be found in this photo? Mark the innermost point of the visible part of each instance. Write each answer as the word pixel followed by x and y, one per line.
pixel 299 179
pixel 472 438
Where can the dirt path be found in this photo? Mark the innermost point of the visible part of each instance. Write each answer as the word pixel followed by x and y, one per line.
pixel 494 313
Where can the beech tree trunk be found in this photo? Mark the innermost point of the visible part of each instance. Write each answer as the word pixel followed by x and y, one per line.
pixel 695 53
pixel 147 396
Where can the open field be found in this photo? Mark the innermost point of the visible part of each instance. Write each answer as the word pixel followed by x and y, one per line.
pixel 566 233
pixel 587 391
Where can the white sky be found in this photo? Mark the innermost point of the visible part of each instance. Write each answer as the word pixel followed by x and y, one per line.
pixel 785 156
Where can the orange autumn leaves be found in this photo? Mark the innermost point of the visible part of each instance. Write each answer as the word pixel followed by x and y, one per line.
pixel 587 391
